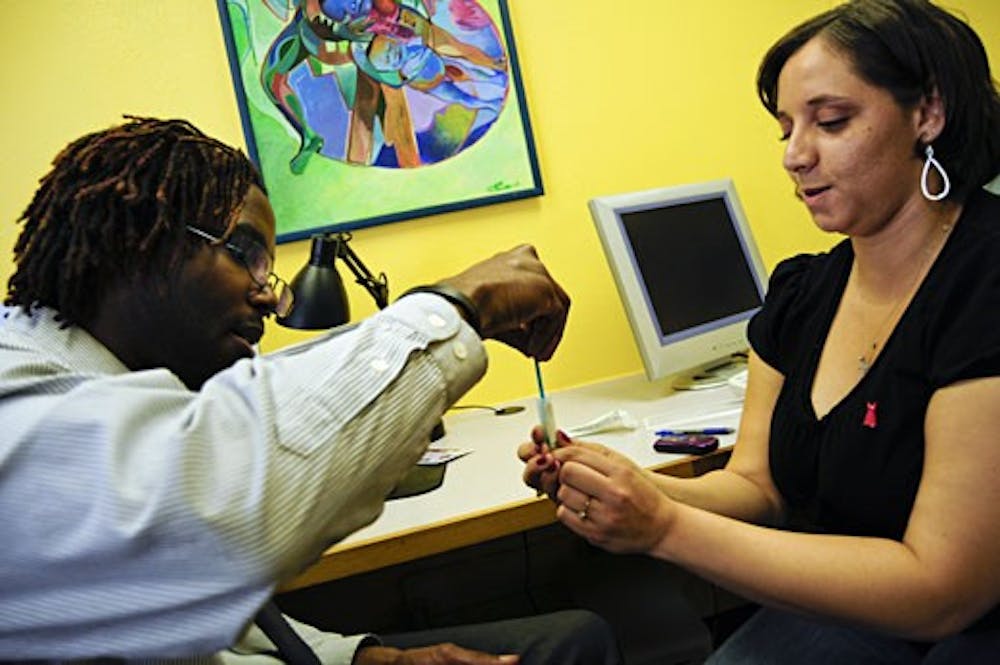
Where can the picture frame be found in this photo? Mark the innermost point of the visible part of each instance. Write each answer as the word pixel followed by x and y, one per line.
pixel 384 110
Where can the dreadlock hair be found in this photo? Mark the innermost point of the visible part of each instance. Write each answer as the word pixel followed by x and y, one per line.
pixel 115 205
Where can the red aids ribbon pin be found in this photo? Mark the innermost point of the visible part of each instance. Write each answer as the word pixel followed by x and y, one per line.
pixel 871 418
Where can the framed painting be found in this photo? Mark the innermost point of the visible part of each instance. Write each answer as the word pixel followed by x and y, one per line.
pixel 362 112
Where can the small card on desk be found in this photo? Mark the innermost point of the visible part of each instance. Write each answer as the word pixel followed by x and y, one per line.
pixel 436 456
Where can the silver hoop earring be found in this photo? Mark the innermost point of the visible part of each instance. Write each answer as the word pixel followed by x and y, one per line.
pixel 929 163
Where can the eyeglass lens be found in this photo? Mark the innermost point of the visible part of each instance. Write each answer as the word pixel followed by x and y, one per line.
pixel 286 299
pixel 258 263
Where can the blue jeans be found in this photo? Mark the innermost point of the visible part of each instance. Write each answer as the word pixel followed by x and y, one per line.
pixel 773 637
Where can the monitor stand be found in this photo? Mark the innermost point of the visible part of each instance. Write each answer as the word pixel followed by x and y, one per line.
pixel 711 375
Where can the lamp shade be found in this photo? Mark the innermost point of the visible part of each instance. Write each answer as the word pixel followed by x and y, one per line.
pixel 320 296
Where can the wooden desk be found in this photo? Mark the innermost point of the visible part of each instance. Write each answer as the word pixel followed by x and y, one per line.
pixel 482 496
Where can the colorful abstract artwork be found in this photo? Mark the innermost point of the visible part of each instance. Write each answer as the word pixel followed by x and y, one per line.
pixel 361 112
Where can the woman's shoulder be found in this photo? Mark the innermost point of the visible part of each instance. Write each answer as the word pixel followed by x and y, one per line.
pixel 976 246
pixel 981 213
pixel 807 271
pixel 798 290
pixel 961 314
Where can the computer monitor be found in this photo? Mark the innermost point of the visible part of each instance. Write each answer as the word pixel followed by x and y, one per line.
pixel 689 274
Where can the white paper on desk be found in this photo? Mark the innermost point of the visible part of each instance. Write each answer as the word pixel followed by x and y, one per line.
pixel 436 456
pixel 687 411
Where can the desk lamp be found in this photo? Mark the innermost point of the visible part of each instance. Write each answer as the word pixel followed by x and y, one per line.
pixel 320 296
pixel 321 302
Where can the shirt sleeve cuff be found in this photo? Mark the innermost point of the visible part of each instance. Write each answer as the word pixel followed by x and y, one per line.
pixel 457 349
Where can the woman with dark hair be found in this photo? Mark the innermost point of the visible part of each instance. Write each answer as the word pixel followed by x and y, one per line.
pixel 861 505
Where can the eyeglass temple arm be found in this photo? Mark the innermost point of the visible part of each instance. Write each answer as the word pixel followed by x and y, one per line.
pixel 378 287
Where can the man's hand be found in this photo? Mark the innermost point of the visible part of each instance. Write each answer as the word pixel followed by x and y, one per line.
pixel 519 303
pixel 438 654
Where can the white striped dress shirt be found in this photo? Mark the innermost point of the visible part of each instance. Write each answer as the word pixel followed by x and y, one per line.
pixel 143 520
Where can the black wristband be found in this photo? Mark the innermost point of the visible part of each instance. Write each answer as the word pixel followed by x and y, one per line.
pixel 468 308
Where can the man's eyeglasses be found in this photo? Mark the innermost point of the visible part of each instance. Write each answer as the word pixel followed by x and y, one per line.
pixel 257 260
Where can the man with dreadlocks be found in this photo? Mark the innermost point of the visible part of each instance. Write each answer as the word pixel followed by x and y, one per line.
pixel 158 479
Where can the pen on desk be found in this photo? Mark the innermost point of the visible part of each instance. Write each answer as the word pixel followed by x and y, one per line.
pixel 710 431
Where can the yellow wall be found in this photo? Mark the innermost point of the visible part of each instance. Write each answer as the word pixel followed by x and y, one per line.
pixel 622 97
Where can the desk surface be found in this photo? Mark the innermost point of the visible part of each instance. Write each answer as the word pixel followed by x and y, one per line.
pixel 482 496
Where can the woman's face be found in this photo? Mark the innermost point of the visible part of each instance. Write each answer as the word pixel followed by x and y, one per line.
pixel 850 147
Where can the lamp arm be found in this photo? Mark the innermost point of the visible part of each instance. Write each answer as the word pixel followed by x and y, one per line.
pixel 378 287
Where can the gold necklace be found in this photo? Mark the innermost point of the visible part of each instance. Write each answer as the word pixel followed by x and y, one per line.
pixel 866 359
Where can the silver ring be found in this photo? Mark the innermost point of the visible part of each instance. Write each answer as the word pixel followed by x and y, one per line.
pixel 586 506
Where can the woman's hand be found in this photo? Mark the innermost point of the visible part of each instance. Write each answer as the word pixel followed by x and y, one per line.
pixel 541 469
pixel 609 500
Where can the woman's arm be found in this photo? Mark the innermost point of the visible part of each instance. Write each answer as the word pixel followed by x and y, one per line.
pixel 744 489
pixel 938 580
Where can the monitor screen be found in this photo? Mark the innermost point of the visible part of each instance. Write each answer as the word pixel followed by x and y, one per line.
pixel 687 270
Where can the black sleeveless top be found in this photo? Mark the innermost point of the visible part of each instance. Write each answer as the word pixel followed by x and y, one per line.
pixel 856 470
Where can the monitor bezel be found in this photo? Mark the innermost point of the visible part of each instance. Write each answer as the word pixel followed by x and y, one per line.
pixel 693 348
